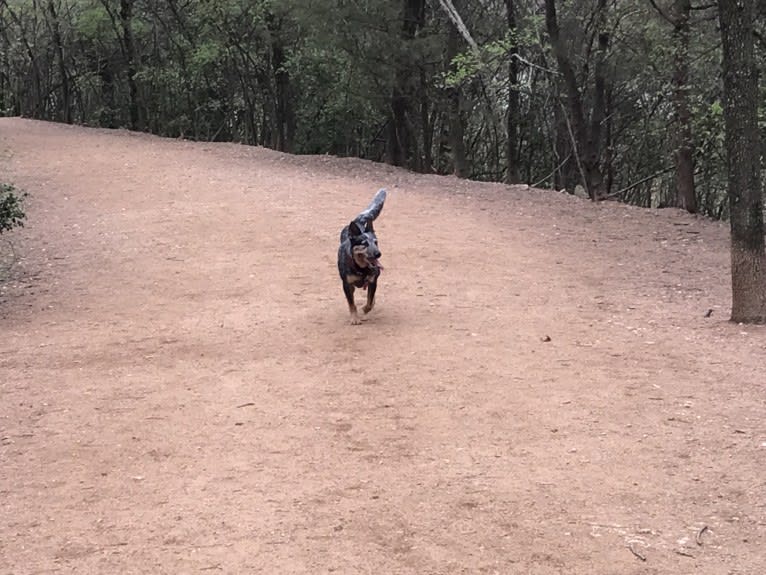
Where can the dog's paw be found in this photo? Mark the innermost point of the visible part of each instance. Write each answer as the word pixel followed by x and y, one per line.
pixel 367 308
pixel 355 320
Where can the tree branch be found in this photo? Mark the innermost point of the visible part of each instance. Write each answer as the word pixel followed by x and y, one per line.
pixel 533 65
pixel 556 169
pixel 639 182
pixel 453 15
pixel 705 6
pixel 662 12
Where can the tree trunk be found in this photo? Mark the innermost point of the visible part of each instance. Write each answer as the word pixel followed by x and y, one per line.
pixel 35 100
pixel 684 145
pixel 565 174
pixel 512 116
pixel 66 104
pixel 456 140
pixel 108 105
pixel 129 48
pixel 5 67
pixel 402 141
pixel 593 146
pixel 455 121
pixel 587 146
pixel 284 112
pixel 398 137
pixel 609 143
pixel 426 125
pixel 740 84
pixel 284 108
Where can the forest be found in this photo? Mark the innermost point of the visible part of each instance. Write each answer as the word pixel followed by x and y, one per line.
pixel 607 98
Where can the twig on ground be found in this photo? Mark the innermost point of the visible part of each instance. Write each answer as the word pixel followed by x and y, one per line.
pixel 698 539
pixel 248 404
pixel 636 553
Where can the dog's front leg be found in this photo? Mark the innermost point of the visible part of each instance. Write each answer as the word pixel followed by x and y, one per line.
pixel 348 289
pixel 373 285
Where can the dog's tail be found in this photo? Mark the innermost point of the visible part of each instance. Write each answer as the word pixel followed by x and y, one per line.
pixel 375 207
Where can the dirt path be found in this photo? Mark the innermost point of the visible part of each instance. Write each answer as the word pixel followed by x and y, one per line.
pixel 181 392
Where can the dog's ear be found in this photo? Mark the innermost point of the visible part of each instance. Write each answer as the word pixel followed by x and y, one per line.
pixel 354 229
pixel 368 226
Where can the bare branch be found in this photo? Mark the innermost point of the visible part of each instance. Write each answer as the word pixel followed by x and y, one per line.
pixel 556 169
pixel 533 65
pixel 639 182
pixel 705 6
pixel 662 12
pixel 453 15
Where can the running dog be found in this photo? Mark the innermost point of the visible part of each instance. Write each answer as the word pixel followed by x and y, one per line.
pixel 358 255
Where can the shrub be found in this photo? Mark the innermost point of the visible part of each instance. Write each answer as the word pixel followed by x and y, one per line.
pixel 11 213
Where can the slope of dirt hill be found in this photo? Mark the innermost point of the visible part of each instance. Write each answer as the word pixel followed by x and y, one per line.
pixel 538 391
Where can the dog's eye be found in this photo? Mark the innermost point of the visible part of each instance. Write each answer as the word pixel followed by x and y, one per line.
pixel 365 243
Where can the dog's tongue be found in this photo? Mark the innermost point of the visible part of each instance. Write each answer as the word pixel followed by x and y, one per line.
pixel 376 263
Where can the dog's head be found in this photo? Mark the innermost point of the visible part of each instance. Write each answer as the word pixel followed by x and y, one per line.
pixel 364 244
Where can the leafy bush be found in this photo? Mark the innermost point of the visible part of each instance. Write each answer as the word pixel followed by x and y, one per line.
pixel 11 213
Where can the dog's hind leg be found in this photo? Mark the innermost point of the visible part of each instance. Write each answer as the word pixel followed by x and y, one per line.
pixel 348 289
pixel 370 297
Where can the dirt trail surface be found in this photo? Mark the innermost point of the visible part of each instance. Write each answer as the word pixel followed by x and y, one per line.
pixel 538 390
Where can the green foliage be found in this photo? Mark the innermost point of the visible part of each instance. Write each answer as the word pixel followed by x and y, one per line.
pixel 708 132
pixel 321 76
pixel 491 56
pixel 206 54
pixel 470 64
pixel 93 22
pixel 11 212
pixel 709 129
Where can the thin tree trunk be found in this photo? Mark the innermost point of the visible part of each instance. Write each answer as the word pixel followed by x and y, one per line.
pixel 126 15
pixel 684 149
pixel 66 104
pixel 565 176
pixel 107 96
pixel 426 125
pixel 609 145
pixel 398 138
pixel 5 71
pixel 283 103
pixel 512 116
pixel 402 141
pixel 35 100
pixel 587 146
pixel 266 139
pixel 284 111
pixel 683 195
pixel 740 83
pixel 455 121
pixel 593 146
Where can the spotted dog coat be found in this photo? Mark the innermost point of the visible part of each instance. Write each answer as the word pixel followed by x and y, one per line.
pixel 358 255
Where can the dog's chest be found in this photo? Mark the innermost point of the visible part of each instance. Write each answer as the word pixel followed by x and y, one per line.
pixel 361 280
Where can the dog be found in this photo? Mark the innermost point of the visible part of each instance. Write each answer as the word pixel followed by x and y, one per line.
pixel 358 257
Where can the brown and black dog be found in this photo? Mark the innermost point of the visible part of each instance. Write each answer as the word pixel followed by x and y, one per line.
pixel 358 256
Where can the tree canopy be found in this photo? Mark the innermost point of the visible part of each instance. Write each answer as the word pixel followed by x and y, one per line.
pixel 620 98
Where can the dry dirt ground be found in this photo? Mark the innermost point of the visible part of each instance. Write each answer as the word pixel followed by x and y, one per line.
pixel 181 391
